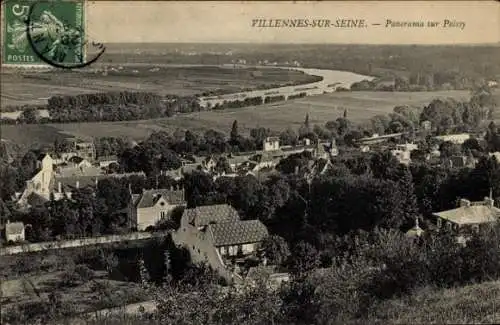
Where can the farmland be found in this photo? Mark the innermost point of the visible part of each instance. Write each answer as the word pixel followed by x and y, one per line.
pixel 360 106
pixel 35 88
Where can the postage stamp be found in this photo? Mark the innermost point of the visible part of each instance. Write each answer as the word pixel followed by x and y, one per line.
pixel 44 32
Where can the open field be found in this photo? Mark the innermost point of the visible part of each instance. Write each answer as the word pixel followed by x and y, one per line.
pixel 34 88
pixel 360 106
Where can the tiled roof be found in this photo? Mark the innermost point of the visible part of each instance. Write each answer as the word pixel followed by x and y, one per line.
pixel 237 160
pixel 14 228
pixel 68 183
pixel 150 197
pixel 190 168
pixel 76 171
pixel 206 214
pixel 474 214
pixel 238 232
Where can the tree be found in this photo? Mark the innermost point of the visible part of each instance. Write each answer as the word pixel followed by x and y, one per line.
pixel 304 258
pixel 449 149
pixel 410 206
pixel 234 136
pixel 276 249
pixel 29 116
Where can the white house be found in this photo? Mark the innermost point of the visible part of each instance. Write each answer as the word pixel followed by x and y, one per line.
pixel 14 231
pixel 271 144
pixel 154 205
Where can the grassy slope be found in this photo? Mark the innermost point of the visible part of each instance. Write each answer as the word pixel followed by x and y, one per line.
pixel 479 303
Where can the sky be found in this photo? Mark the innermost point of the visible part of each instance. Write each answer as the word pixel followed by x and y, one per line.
pixel 230 21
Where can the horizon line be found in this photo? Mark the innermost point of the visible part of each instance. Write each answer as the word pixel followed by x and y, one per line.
pixel 307 43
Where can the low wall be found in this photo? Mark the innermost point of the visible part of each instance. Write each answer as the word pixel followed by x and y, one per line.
pixel 37 247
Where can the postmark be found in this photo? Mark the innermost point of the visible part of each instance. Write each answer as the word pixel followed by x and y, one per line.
pixel 48 32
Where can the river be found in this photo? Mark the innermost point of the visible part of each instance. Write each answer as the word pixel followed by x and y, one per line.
pixel 332 79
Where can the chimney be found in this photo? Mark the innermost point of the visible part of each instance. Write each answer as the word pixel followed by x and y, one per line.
pixel 464 203
pixel 59 187
pixel 77 184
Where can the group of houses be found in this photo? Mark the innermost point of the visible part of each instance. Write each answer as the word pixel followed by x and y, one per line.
pixel 215 233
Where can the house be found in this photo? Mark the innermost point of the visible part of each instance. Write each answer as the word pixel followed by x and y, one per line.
pixel 454 138
pixel 403 156
pixel 105 161
pixel 214 234
pixel 151 206
pixel 271 143
pixel 236 161
pixel 468 216
pixel 84 149
pixel 79 162
pixel 209 163
pixel 426 125
pixel 237 238
pixel 14 231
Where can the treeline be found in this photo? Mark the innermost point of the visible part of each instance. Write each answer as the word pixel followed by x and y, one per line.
pixel 299 95
pixel 111 106
pixel 249 101
pixel 421 82
pixel 273 99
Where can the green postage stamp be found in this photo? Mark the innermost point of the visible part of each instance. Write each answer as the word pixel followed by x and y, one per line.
pixel 56 30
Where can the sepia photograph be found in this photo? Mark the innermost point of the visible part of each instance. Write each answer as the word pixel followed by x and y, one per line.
pixel 249 162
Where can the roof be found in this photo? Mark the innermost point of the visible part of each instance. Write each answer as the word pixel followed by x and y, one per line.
pixel 269 139
pixel 237 159
pixel 148 198
pixel 190 168
pixel 42 156
pixel 77 171
pixel 14 228
pixel 473 214
pixel 35 199
pixel 107 158
pixel 206 214
pixel 237 232
pixel 69 183
pixel 135 198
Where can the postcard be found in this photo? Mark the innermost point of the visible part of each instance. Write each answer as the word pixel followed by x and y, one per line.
pixel 249 162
